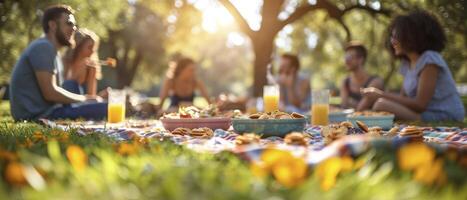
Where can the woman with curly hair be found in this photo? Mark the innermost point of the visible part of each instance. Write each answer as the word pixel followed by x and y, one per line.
pixel 429 91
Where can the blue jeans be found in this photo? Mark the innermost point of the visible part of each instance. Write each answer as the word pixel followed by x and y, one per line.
pixel 73 86
pixel 88 111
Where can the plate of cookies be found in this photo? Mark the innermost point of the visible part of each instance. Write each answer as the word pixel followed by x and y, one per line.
pixel 385 120
pixel 270 124
pixel 192 117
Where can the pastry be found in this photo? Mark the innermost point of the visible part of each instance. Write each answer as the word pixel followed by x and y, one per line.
pixel 362 126
pixel 247 138
pixel 181 131
pixel 296 138
pixel 297 115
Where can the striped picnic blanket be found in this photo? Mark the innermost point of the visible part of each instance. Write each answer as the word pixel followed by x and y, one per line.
pixel 441 137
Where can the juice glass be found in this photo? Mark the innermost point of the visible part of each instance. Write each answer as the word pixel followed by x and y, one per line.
pixel 116 106
pixel 271 98
pixel 320 107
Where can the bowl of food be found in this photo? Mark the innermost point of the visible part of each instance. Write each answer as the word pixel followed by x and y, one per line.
pixel 384 120
pixel 270 124
pixel 192 117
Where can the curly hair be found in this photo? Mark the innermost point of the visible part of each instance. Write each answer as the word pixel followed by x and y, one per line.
pixel 417 31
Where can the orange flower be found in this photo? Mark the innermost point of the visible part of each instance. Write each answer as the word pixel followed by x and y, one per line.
pixel 287 169
pixel 328 170
pixel 77 157
pixel 291 173
pixel 38 136
pixel 127 149
pixel 429 172
pixel 259 169
pixel 414 155
pixel 14 174
pixel 7 155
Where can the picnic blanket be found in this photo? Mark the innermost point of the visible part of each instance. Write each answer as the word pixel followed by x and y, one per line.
pixel 441 137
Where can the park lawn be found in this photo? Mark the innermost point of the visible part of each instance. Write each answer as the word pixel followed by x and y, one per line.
pixel 162 170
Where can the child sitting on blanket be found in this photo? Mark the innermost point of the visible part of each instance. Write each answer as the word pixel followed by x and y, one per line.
pixel 429 91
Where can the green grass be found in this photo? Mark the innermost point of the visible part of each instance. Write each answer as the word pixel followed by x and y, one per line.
pixel 162 170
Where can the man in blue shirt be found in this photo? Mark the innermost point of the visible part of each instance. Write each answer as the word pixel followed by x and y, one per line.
pixel 35 90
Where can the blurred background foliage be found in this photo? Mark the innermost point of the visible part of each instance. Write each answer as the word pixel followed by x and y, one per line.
pixel 144 35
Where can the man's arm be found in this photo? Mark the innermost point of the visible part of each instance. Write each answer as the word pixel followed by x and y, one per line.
pixel 51 92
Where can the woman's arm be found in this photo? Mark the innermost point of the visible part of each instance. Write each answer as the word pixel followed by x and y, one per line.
pixel 366 102
pixel 204 92
pixel 425 90
pixel 164 92
pixel 91 79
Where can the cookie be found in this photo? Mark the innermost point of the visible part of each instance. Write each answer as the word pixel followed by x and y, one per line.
pixel 181 131
pixel 202 132
pixel 346 124
pixel 247 138
pixel 410 130
pixel 362 126
pixel 296 138
pixel 393 131
pixel 254 116
pixel 264 116
pixel 295 115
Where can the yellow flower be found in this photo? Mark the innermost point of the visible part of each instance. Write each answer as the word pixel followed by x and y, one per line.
pixel 272 156
pixel 413 155
pixel 127 149
pixel 328 170
pixel 14 174
pixel 287 169
pixel 290 173
pixel 347 163
pixel 77 157
pixel 259 169
pixel 430 172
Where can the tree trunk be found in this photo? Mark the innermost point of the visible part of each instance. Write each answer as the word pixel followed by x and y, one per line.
pixel 263 48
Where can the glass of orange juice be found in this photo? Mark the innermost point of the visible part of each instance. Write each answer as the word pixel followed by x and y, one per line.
pixel 320 107
pixel 116 106
pixel 271 98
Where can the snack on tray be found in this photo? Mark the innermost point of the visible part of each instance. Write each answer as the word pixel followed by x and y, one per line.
pixel 362 126
pixel 181 131
pixel 197 132
pixel 276 115
pixel 296 138
pixel 202 132
pixel 412 131
pixel 193 112
pixel 333 132
pixel 247 138
pixel 392 132
pixel 375 131
pixel 346 124
pixel 370 114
